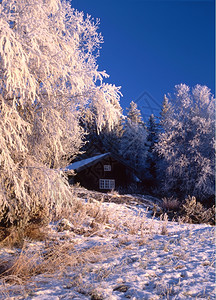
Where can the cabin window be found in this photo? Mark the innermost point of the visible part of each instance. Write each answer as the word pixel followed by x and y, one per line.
pixel 106 184
pixel 107 168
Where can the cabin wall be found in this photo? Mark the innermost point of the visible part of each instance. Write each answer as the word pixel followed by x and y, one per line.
pixel 90 177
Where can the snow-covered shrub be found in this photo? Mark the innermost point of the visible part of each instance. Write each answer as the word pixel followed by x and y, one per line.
pixel 194 212
pixel 48 76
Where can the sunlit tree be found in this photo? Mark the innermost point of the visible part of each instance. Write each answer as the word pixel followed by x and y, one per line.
pixel 133 141
pixel 48 75
pixel 187 142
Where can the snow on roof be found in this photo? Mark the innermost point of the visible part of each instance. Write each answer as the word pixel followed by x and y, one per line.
pixel 82 164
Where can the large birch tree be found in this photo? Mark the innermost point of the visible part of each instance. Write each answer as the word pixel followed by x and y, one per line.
pixel 48 74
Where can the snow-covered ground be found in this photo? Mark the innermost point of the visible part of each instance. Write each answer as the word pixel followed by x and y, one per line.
pixel 127 255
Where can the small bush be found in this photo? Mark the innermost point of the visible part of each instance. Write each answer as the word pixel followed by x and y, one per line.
pixel 194 212
pixel 170 204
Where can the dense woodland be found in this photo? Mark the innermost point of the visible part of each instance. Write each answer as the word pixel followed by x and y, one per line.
pixel 54 103
pixel 173 154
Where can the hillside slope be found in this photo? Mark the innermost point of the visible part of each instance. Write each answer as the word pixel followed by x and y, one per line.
pixel 113 250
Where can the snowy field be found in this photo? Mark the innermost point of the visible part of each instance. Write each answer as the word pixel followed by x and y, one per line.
pixel 119 252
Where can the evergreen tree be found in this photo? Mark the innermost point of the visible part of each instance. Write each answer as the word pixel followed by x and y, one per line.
pixel 164 125
pixel 134 114
pixel 165 114
pixel 152 157
pixel 133 148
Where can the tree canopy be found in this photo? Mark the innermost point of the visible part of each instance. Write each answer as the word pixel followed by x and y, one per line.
pixel 48 75
pixel 187 141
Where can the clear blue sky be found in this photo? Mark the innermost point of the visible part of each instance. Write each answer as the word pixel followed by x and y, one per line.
pixel 153 45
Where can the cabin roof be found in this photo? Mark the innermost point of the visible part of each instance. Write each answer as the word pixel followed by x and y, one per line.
pixel 88 162
pixel 85 163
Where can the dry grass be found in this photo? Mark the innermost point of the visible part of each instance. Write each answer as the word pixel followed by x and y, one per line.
pixel 15 237
pixel 54 257
pixel 89 217
pixel 170 204
pixel 30 262
pixel 164 230
pixel 83 212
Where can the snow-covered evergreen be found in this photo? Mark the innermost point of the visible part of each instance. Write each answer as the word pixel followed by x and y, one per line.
pixel 134 114
pixel 151 163
pixel 133 148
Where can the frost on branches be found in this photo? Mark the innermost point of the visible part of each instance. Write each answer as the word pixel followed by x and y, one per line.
pixel 48 74
pixel 187 142
pixel 151 162
pixel 133 148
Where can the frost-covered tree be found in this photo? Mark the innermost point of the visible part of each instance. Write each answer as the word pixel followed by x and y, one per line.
pixel 104 140
pixel 48 75
pixel 165 118
pixel 111 139
pixel 187 142
pixel 133 141
pixel 134 114
pixel 165 114
pixel 152 157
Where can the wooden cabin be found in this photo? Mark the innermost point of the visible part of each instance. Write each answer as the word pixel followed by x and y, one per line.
pixel 102 172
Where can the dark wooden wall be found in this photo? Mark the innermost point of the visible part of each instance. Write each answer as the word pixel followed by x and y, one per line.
pixel 89 178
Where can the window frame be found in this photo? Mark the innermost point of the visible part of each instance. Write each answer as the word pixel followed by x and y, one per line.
pixel 107 168
pixel 106 184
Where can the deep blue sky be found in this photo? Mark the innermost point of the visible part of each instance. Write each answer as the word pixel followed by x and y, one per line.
pixel 150 46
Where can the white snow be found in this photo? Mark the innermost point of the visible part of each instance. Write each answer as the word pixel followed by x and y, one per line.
pixel 128 261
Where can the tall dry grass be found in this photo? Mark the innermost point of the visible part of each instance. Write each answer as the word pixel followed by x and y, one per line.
pixel 54 255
